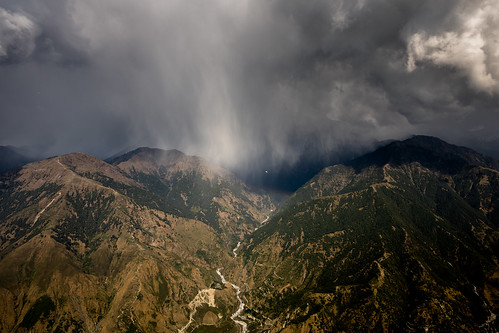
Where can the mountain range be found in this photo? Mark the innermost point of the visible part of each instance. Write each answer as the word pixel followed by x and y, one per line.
pixel 402 239
pixel 92 246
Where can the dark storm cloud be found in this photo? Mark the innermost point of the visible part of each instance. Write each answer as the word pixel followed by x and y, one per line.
pixel 17 36
pixel 246 81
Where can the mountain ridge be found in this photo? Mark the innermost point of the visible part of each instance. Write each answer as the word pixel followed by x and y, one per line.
pixel 423 235
pixel 396 240
pixel 430 151
pixel 86 247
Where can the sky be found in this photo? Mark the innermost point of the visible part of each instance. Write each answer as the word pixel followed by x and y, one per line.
pixel 259 83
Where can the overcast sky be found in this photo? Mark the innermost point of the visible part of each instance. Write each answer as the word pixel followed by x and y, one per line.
pixel 238 81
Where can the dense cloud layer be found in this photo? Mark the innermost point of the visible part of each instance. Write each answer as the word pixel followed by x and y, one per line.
pixel 17 36
pixel 467 41
pixel 245 81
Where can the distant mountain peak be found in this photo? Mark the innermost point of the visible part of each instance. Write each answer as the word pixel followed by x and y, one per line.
pixel 423 139
pixel 82 161
pixel 153 160
pixel 429 151
pixel 156 151
pixel 77 156
pixel 150 153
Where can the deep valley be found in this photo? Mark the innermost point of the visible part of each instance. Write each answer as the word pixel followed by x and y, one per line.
pixel 403 239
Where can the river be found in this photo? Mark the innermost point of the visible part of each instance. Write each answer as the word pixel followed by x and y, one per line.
pixel 236 248
pixel 240 309
pixel 208 296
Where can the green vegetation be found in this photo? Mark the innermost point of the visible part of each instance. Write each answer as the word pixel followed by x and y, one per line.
pixel 70 325
pixel 180 192
pixel 163 289
pixel 42 308
pixel 390 248
pixel 90 212
pixel 12 201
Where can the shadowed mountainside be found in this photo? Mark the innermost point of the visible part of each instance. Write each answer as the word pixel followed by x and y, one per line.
pixel 402 239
